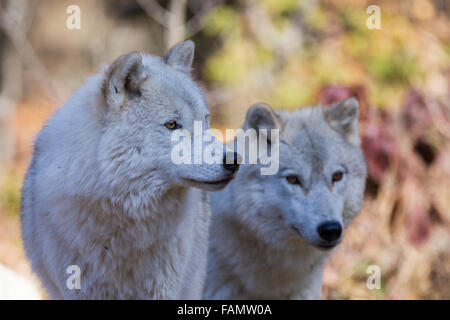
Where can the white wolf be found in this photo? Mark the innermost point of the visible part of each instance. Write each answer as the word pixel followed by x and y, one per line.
pixel 102 193
pixel 271 234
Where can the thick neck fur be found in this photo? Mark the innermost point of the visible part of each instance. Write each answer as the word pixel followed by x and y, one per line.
pixel 119 211
pixel 263 271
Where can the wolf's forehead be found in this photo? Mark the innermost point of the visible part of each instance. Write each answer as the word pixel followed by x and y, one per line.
pixel 308 147
pixel 178 88
pixel 184 93
pixel 190 95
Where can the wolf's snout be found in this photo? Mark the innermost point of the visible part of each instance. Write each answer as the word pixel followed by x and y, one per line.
pixel 231 162
pixel 330 230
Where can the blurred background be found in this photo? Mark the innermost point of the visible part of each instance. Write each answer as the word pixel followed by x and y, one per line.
pixel 287 53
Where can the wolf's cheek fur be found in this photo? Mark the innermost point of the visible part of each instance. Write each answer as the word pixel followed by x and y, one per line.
pixel 354 194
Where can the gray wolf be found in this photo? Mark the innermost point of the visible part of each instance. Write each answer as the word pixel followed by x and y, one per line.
pixel 102 194
pixel 271 234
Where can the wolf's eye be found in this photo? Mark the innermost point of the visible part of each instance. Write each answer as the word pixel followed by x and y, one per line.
pixel 337 176
pixel 292 179
pixel 172 125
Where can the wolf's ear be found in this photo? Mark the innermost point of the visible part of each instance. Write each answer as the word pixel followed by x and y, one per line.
pixel 262 116
pixel 342 116
pixel 124 77
pixel 180 56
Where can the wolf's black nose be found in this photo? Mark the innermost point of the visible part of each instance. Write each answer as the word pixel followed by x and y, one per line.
pixel 330 230
pixel 230 162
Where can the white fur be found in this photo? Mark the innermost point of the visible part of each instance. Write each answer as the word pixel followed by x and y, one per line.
pixel 264 242
pixel 101 192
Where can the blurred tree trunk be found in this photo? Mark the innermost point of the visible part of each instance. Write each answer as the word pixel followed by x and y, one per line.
pixel 175 31
pixel 10 92
pixel 15 17
pixel 6 109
